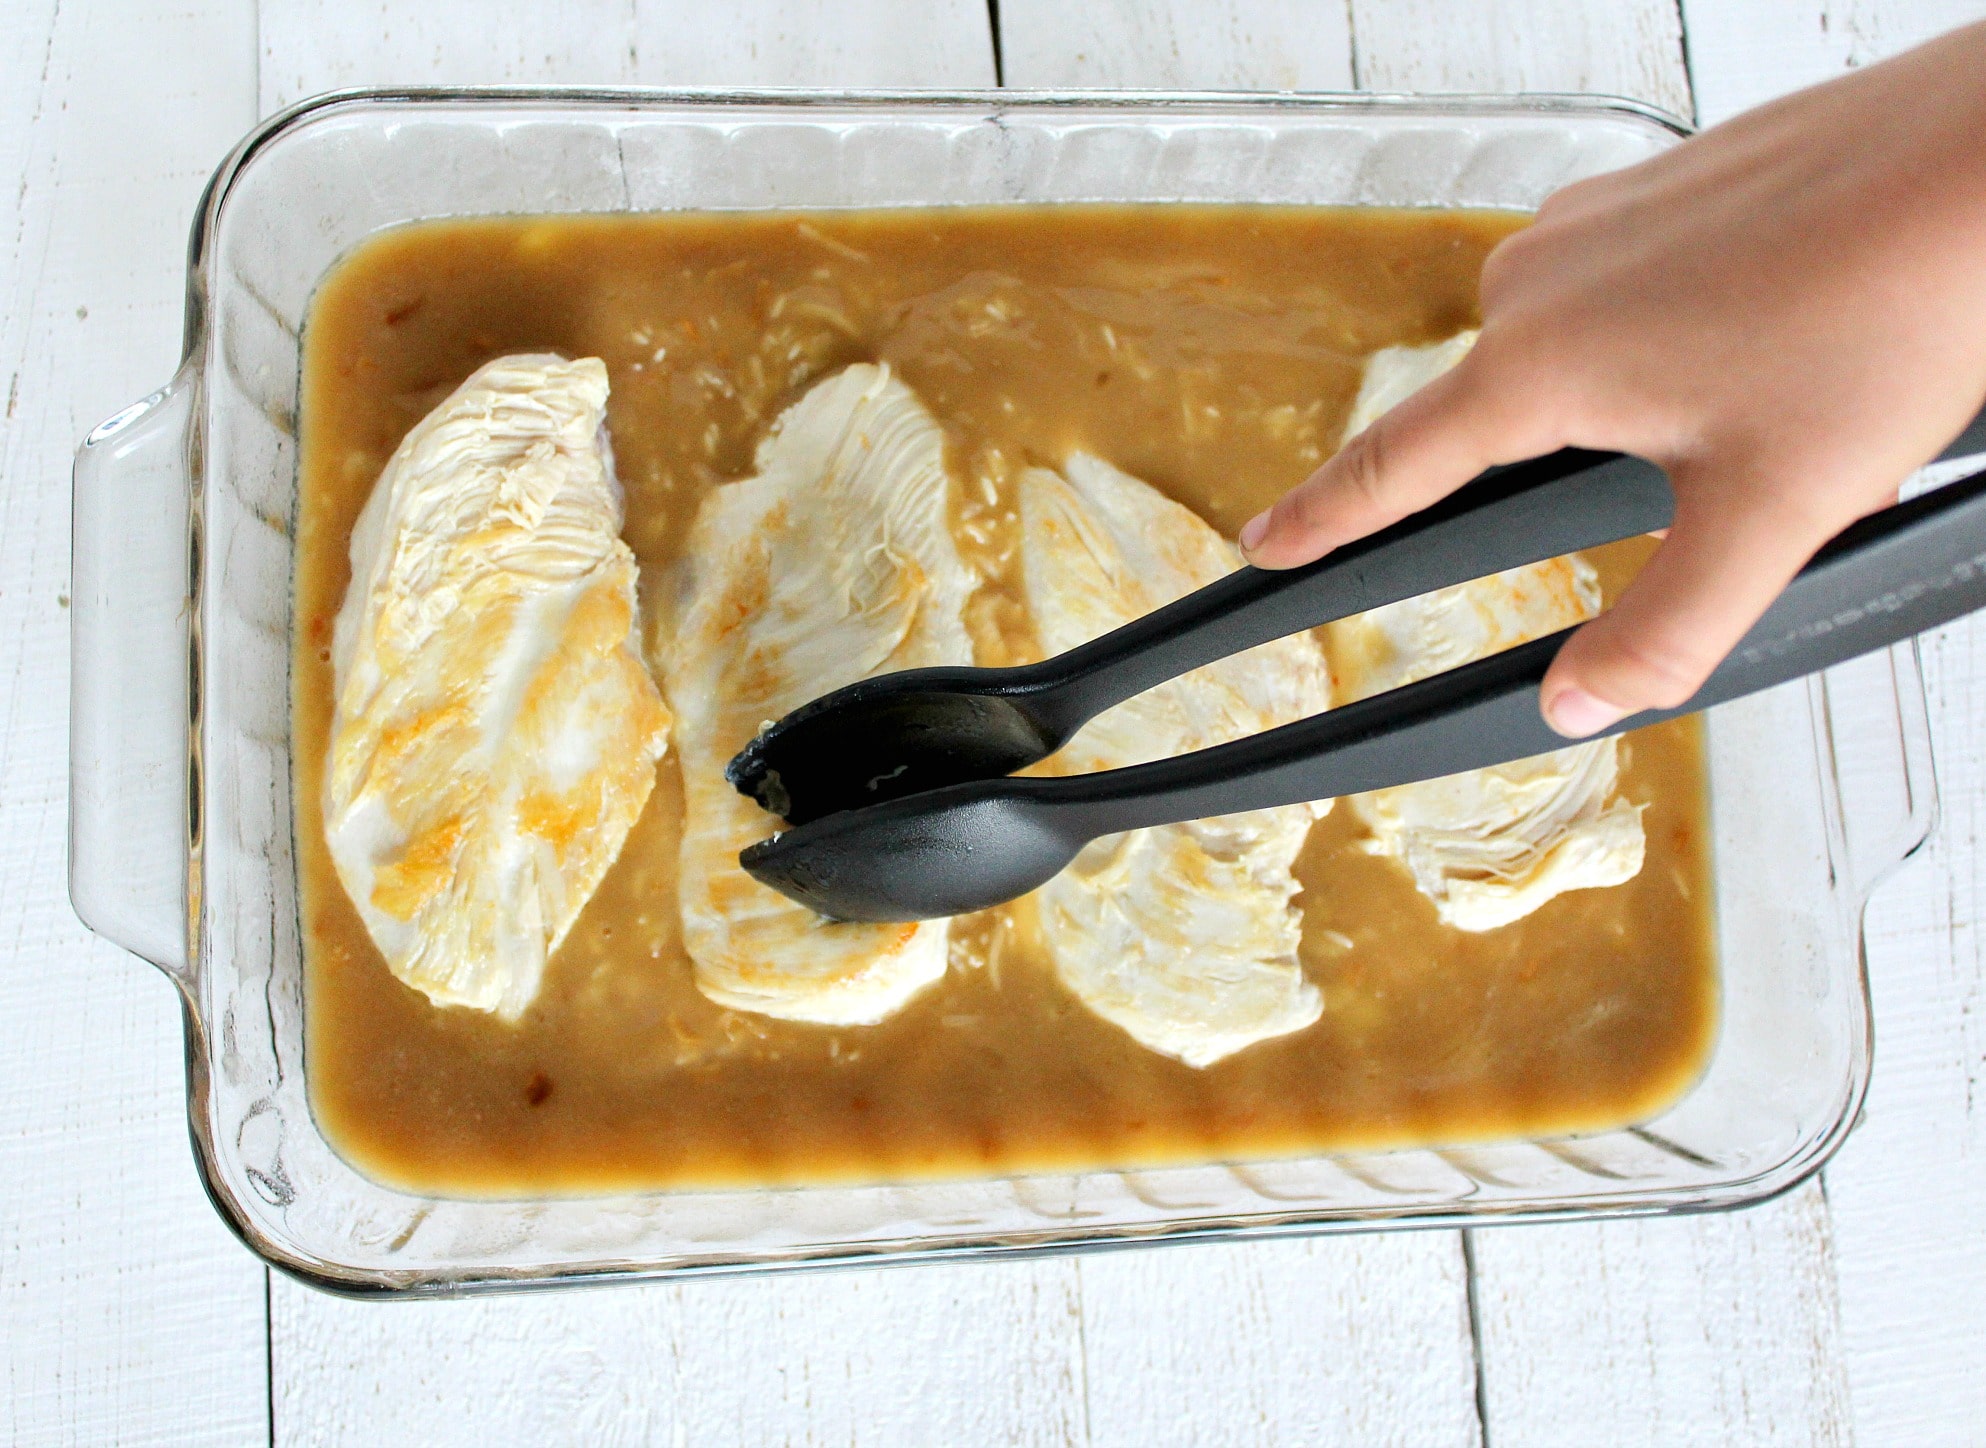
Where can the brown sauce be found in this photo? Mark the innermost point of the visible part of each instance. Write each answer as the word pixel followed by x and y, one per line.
pixel 1213 352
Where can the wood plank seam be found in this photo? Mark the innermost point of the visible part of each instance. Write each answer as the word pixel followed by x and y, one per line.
pixel 1689 65
pixel 1468 1238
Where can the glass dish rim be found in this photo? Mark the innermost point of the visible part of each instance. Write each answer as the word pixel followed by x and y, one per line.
pixel 213 197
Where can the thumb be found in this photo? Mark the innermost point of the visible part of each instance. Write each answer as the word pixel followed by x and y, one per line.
pixel 1421 451
pixel 1706 585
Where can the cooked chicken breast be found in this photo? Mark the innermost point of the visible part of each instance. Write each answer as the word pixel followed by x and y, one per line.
pixel 1489 846
pixel 1393 374
pixel 495 732
pixel 833 563
pixel 1185 936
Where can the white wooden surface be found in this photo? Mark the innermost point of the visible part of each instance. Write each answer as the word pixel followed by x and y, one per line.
pixel 1177 44
pixel 1906 1196
pixel 127 1314
pixel 1857 1312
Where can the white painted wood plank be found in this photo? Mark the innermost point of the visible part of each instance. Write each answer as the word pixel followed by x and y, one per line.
pixel 127 1313
pixel 1623 47
pixel 316 45
pixel 1745 53
pixel 1908 1190
pixel 1177 44
pixel 1907 1193
pixel 831 44
pixel 1697 1330
pixel 1355 1340
pixel 1271 1342
pixel 1703 1330
pixel 935 1355
pixel 966 1355
pixel 308 46
pixel 951 1354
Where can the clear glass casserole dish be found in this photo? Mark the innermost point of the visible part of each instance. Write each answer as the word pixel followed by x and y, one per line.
pixel 181 820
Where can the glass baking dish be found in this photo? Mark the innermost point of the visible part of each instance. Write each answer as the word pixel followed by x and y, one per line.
pixel 181 822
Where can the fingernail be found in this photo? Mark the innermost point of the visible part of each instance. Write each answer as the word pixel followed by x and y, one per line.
pixel 1576 713
pixel 1253 529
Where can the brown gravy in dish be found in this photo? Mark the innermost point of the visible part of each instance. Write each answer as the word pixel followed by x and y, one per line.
pixel 1213 352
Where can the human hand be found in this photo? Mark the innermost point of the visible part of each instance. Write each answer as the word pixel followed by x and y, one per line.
pixel 1786 313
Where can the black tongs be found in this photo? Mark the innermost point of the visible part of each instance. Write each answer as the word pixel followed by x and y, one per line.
pixel 898 790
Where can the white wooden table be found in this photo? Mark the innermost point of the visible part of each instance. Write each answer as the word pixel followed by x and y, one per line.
pixel 1853 1309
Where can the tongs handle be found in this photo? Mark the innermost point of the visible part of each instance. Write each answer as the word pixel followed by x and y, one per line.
pixel 1507 517
pixel 973 844
pixel 1894 574
pixel 904 734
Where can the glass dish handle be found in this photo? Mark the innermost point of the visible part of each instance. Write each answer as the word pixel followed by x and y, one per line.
pixel 130 607
pixel 1874 713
